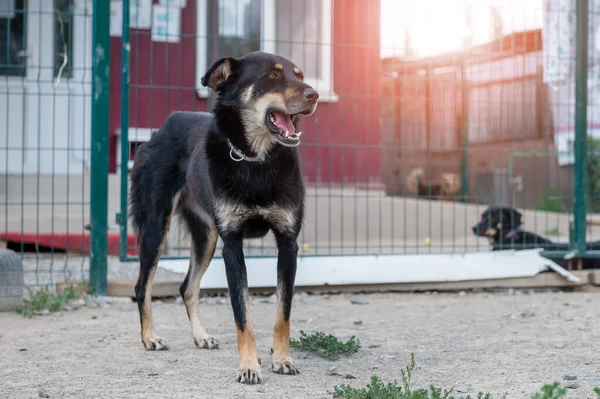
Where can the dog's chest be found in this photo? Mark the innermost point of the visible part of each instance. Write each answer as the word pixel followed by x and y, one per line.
pixel 231 216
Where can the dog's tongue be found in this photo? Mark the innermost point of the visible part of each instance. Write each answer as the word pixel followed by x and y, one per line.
pixel 284 122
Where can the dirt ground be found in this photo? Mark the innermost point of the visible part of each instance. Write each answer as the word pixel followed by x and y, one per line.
pixel 510 342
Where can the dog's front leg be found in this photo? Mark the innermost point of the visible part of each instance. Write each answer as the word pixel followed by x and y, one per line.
pixel 281 360
pixel 237 280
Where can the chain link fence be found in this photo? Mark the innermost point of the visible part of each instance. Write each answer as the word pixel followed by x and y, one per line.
pixel 417 132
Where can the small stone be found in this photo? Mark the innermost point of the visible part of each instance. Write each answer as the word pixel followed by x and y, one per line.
pixel 222 301
pixel 179 301
pixel 358 323
pixel 568 377
pixel 349 376
pixel 527 315
pixel 462 388
pixel 207 300
pixel 44 312
pixel 261 390
pixel 462 293
pixel 102 300
pixel 22 350
pixel 126 308
pixel 571 385
pixel 373 346
pixel 560 346
pixel 43 394
pixel 359 301
pixel 374 367
pixel 333 370
pixel 171 360
pixel 94 317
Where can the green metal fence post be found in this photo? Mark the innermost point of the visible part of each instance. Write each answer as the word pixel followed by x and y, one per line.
pixel 124 136
pixel 464 144
pixel 580 146
pixel 99 147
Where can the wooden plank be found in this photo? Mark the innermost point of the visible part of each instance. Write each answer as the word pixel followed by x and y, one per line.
pixel 542 280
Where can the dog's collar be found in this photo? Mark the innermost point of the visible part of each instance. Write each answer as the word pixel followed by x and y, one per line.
pixel 238 155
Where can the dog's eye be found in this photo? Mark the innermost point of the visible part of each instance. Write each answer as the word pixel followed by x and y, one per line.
pixel 272 75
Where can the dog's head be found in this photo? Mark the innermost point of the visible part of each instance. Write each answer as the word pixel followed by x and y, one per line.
pixel 270 94
pixel 450 183
pixel 496 222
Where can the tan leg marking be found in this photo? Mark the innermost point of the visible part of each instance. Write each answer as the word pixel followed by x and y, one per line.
pixel 281 360
pixel 149 338
pixel 197 269
pixel 249 372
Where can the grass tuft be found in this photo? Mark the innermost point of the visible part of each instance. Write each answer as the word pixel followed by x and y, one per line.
pixel 43 299
pixel 326 346
pixel 377 389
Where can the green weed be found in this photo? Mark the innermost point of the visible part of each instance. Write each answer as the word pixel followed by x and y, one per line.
pixel 377 389
pixel 43 299
pixel 326 346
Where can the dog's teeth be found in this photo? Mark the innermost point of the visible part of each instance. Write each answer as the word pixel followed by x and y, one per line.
pixel 287 134
pixel 298 134
pixel 272 119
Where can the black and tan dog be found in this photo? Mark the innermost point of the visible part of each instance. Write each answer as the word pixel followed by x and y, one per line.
pixel 502 226
pixel 232 173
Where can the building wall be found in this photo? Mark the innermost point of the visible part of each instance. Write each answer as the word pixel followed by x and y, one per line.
pixel 341 139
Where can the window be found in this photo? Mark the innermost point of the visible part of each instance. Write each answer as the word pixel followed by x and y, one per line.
pixel 13 42
pixel 238 28
pixel 298 30
pixel 63 38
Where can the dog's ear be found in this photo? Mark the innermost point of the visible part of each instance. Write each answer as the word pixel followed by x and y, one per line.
pixel 221 75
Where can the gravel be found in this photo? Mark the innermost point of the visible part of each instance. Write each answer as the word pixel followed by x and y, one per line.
pixel 457 340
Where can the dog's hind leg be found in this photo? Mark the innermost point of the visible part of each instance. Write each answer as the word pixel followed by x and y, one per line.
pixel 281 360
pixel 204 241
pixel 151 239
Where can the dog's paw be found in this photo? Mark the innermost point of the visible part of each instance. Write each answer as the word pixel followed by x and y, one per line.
pixel 249 376
pixel 207 343
pixel 284 366
pixel 156 344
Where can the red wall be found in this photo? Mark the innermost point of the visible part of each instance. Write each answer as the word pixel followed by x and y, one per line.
pixel 341 139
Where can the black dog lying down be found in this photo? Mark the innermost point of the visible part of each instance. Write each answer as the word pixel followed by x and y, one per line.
pixel 502 226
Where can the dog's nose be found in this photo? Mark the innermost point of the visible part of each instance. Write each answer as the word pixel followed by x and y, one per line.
pixel 311 95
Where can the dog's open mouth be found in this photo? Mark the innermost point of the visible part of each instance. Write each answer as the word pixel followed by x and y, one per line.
pixel 283 127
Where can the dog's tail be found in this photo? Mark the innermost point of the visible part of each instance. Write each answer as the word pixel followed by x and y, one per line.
pixel 413 179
